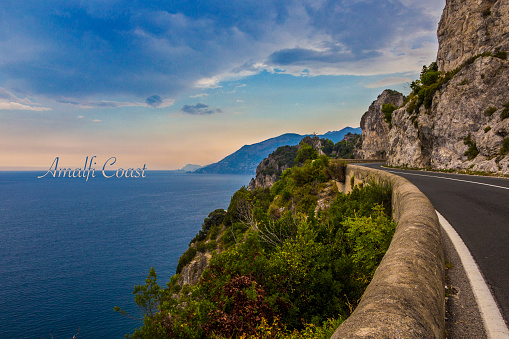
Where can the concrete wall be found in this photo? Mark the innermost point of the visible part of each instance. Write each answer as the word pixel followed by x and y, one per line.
pixel 406 298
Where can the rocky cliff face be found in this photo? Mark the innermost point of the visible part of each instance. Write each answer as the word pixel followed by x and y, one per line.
pixel 375 131
pixel 471 27
pixel 192 272
pixel 466 125
pixel 270 168
pixel 466 118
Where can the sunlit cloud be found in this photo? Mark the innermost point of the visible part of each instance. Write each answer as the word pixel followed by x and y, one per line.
pixel 9 101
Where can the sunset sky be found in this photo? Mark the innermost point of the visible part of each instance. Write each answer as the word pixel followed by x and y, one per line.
pixel 166 83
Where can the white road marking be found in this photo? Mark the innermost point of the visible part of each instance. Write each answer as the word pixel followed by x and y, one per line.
pixel 494 323
pixel 433 176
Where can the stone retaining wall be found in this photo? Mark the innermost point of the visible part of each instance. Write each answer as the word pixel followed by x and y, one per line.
pixel 406 298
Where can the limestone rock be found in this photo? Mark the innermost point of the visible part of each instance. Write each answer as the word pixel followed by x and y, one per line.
pixel 191 273
pixel 436 137
pixel 375 130
pixel 471 27
pixel 470 105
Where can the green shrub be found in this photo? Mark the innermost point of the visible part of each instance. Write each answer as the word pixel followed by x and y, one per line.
pixel 201 246
pixel 387 110
pixel 500 55
pixel 490 110
pixel 371 237
pixel 505 112
pixel 487 129
pixel 472 151
pixel 186 258
pixel 306 152
pixel 505 147
pixel 211 245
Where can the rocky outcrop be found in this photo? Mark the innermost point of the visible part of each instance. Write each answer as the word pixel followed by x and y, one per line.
pixel 270 168
pixel 471 27
pixel 375 131
pixel 466 124
pixel 191 273
pixel 465 115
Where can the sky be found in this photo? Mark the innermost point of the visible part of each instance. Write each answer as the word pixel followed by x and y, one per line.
pixel 167 83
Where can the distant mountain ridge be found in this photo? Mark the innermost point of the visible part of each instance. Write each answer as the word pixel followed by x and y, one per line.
pixel 247 158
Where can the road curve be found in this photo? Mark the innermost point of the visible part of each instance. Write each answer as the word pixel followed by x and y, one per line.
pixel 478 209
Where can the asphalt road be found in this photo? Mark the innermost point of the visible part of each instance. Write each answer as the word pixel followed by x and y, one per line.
pixel 478 208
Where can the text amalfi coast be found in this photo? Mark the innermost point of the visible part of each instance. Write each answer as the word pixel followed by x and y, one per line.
pixel 88 171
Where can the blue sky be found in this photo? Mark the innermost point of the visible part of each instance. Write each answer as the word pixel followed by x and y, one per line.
pixel 165 83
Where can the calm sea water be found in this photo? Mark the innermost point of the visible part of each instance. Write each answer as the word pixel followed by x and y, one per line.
pixel 71 250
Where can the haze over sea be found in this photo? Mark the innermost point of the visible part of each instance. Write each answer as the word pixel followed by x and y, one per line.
pixel 71 250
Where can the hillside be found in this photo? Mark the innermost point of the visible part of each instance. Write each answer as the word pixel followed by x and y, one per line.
pixel 247 158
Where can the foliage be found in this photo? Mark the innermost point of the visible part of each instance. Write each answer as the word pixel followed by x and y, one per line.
pixel 487 129
pixel 505 147
pixel 505 112
pixel 371 237
pixel 387 110
pixel 345 148
pixel 215 218
pixel 432 80
pixel 490 110
pixel 285 267
pixel 501 55
pixel 282 157
pixel 186 258
pixel 472 151
pixel 305 152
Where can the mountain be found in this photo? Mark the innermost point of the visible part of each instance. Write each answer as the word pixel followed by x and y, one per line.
pixel 188 168
pixel 247 158
pixel 457 116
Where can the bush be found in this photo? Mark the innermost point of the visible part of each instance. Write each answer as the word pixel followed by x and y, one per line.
pixel 387 110
pixel 306 152
pixel 472 151
pixel 501 55
pixel 489 111
pixel 505 112
pixel 505 147
pixel 487 129
pixel 186 258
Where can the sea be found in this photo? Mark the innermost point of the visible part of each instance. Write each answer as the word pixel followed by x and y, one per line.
pixel 71 250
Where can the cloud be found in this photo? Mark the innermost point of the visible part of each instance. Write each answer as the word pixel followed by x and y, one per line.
pixel 9 101
pixel 388 82
pixel 199 95
pixel 111 49
pixel 200 109
pixel 153 101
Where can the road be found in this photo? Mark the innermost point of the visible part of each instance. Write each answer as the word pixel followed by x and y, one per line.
pixel 478 208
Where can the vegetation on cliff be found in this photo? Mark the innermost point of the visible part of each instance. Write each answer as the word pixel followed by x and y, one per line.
pixel 282 266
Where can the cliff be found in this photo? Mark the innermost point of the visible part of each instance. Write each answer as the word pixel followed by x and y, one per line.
pixel 457 114
pixel 375 130
pixel 471 27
